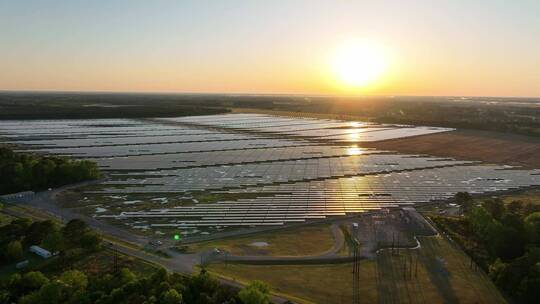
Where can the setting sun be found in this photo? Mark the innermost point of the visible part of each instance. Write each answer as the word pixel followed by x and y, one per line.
pixel 357 65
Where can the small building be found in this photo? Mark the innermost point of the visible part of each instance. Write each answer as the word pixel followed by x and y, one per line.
pixel 22 264
pixel 17 197
pixel 44 253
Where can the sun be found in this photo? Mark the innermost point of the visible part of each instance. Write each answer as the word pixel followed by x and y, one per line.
pixel 358 65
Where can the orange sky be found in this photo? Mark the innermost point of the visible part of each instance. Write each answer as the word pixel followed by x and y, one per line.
pixel 433 48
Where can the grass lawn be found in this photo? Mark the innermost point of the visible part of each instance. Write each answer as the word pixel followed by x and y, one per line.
pixel 442 275
pixel 305 283
pixel 530 196
pixel 5 219
pixel 306 240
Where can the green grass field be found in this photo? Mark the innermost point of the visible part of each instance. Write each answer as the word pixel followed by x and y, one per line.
pixel 442 276
pixel 530 196
pixel 4 219
pixel 306 240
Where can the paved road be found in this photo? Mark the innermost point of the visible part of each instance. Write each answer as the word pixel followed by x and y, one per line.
pixel 46 201
pixel 183 263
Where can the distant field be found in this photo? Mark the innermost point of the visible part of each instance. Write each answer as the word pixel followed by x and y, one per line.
pixel 527 197
pixel 490 147
pixel 443 276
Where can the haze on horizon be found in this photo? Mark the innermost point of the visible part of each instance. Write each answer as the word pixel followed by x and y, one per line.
pixel 458 48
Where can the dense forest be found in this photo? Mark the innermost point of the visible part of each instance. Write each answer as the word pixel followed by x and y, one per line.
pixel 23 171
pixel 503 239
pixel 57 281
pixel 126 287
pixel 99 105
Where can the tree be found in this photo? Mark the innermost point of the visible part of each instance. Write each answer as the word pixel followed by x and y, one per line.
pixel 74 230
pixel 75 279
pixel 255 293
pixel 503 241
pixel 54 242
pixel 495 207
pixel 171 297
pixel 51 293
pixel 14 251
pixel 480 220
pixel 38 231
pixel 22 171
pixel 159 276
pixel 464 199
pixel 515 207
pixel 200 288
pixel 90 241
pixel 33 280
pixel 14 230
pixel 126 276
pixel 532 225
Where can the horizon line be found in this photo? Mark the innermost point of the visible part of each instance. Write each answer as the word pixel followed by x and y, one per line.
pixel 53 91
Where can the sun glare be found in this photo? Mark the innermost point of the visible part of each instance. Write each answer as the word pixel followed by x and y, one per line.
pixel 358 65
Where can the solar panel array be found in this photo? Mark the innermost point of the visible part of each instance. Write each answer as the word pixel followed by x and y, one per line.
pixel 317 129
pixel 297 202
pixel 276 169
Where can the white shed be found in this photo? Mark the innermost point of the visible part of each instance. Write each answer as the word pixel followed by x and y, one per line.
pixel 44 253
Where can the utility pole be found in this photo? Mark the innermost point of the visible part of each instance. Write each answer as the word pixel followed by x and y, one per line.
pixel 115 257
pixel 416 266
pixel 397 247
pixel 393 240
pixel 356 273
pixel 410 264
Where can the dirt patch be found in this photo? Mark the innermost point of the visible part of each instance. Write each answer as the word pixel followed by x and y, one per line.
pixel 490 147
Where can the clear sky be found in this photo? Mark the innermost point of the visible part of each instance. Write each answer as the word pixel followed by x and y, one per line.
pixel 431 47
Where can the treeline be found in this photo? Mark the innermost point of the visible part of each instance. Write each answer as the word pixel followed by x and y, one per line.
pixel 514 115
pixel 100 105
pixel 68 242
pixel 23 171
pixel 57 282
pixel 502 239
pixel 126 287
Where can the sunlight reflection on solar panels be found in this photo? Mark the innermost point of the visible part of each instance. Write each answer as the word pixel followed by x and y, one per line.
pixel 259 169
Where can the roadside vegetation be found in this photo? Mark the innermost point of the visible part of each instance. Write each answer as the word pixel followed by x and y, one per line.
pixel 67 242
pixel 83 270
pixel 503 239
pixel 24 172
pixel 125 286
